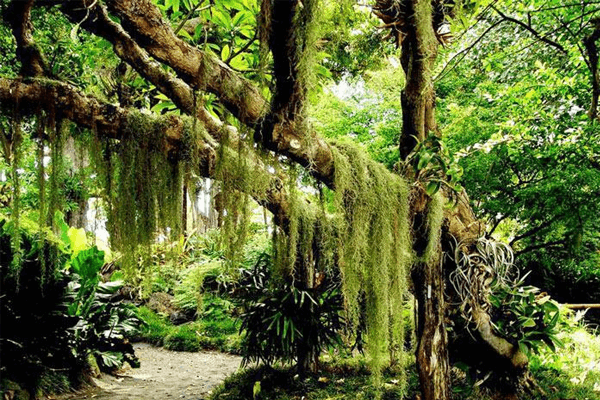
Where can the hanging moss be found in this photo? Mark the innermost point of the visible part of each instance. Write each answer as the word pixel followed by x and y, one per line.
pixel 41 181
pixel 365 232
pixel 143 190
pixel 15 161
pixel 376 247
pixel 238 177
pixel 435 217
pixel 308 22
pixel 56 157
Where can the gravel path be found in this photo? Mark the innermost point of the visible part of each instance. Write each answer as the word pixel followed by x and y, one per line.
pixel 163 375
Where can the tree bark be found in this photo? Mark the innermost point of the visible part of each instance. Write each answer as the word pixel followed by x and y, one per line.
pixel 428 279
pixel 18 15
pixel 419 50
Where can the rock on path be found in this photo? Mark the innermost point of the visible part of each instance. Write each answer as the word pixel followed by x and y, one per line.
pixel 163 375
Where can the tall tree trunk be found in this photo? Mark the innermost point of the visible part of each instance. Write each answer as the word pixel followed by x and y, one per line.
pixel 419 50
pixel 432 340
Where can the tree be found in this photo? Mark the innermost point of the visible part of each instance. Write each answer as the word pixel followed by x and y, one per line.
pixel 210 114
pixel 517 110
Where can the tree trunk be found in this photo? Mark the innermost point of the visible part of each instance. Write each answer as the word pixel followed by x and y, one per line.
pixel 419 50
pixel 428 279
pixel 432 347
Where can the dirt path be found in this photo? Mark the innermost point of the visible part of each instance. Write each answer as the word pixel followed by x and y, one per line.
pixel 163 375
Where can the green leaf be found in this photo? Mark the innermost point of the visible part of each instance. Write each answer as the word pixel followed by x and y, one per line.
pixel 77 239
pixel 222 19
pixel 225 51
pixel 528 323
pixel 185 34
pixel 163 105
pixel 242 17
pixel 424 161
pixel 524 349
pixel 432 187
pixel 63 228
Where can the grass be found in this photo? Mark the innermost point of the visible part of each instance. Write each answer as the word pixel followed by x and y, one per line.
pixel 572 372
pixel 215 331
pixel 348 380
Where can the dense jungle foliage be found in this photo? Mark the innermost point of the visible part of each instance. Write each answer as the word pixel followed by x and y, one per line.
pixel 340 241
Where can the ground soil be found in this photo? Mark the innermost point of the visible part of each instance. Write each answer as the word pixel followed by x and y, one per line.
pixel 163 375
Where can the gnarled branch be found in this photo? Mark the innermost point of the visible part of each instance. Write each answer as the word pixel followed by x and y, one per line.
pixel 18 16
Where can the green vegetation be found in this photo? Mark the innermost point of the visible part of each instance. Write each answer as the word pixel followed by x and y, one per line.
pixel 570 372
pixel 282 322
pixel 212 332
pixel 336 381
pixel 59 320
pixel 304 119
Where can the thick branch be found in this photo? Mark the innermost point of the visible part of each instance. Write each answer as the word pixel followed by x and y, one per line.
pixel 96 20
pixel 282 42
pixel 110 121
pixel 144 22
pixel 18 15
pixel 200 69
pixel 419 51
pixel 28 97
pixel 503 348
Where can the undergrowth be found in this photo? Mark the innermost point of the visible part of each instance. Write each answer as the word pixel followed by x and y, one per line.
pixel 573 372
pixel 347 378
pixel 215 331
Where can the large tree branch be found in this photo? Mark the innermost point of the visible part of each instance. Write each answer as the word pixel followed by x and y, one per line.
pixel 282 38
pixel 96 20
pixel 111 121
pixel 18 15
pixel 67 102
pixel 419 51
pixel 200 69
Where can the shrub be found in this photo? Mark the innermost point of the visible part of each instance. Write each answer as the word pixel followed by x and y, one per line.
pixel 525 317
pixel 53 318
pixel 103 323
pixel 285 323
